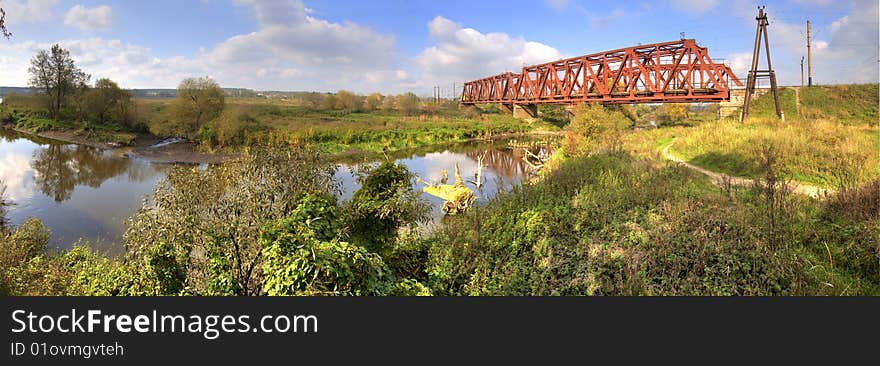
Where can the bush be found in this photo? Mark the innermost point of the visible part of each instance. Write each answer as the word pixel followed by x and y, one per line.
pixel 596 127
pixel 208 222
pixel 385 203
pixel 302 256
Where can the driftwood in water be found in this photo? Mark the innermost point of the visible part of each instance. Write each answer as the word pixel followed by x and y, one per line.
pixel 458 196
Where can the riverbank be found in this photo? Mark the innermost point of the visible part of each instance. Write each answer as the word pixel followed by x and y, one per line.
pixel 150 147
pixel 143 146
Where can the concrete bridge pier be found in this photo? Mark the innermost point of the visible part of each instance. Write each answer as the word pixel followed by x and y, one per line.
pixel 525 111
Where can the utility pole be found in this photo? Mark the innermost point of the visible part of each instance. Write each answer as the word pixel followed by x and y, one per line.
pixel 802 71
pixel 809 58
pixel 754 73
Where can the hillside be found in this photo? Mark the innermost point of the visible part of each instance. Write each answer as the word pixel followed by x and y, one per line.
pixel 850 104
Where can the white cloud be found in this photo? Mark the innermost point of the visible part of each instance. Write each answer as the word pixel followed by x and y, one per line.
pixel 28 11
pixel 291 50
pixel 462 54
pixel 89 19
pixel 844 51
pixel 695 6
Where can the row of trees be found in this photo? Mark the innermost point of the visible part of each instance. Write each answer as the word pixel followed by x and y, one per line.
pixel 68 94
pixel 407 103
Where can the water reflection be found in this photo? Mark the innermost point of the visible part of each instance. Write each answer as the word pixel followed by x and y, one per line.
pixel 503 167
pixel 60 168
pixel 77 191
pixel 83 192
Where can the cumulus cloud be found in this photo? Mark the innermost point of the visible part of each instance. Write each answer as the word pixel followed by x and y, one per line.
pixel 28 11
pixel 290 50
pixel 462 54
pixel 89 19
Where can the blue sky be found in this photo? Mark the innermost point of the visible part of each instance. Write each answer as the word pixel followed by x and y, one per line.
pixel 396 45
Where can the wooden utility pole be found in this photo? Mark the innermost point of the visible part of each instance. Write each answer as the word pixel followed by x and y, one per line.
pixel 802 71
pixel 809 57
pixel 754 73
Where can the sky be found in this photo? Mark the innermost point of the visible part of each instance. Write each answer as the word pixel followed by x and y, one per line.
pixel 393 46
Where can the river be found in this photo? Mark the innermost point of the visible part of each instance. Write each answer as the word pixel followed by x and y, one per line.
pixel 80 192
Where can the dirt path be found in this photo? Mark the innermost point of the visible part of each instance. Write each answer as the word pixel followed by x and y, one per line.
pixel 720 179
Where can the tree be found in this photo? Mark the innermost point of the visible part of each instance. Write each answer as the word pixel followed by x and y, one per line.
pixel 56 74
pixel 407 103
pixel 348 101
pixel 372 102
pixel 388 103
pixel 329 102
pixel 673 112
pixel 105 99
pixel 199 100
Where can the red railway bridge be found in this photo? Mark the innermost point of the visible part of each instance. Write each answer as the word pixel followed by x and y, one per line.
pixel 669 72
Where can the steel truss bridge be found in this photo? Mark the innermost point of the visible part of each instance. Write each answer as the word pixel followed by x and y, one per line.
pixel 668 72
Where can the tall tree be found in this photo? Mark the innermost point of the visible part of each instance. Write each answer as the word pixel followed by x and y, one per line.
pixel 55 72
pixel 199 100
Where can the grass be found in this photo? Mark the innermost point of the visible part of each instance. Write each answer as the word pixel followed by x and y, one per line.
pixel 338 131
pixel 834 141
pixel 823 153
pixel 851 104
pixel 615 224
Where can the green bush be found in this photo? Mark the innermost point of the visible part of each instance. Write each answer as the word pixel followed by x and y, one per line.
pixel 385 203
pixel 300 258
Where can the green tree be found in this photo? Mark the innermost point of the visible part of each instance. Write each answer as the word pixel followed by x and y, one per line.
pixel 54 72
pixel 105 100
pixel 199 100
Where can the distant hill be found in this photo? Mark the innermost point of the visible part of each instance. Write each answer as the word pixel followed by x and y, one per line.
pixel 4 90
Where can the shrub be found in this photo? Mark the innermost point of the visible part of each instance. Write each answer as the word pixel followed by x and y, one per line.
pixel 301 256
pixel 215 215
pixel 597 127
pixel 385 203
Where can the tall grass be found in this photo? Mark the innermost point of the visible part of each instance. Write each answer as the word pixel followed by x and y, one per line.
pixel 821 152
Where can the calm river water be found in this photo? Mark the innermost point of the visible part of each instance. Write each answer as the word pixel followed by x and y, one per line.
pixel 86 193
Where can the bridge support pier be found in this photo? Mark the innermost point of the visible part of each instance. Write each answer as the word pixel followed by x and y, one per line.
pixel 525 111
